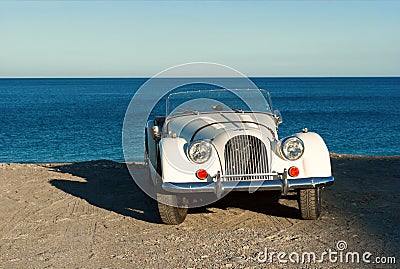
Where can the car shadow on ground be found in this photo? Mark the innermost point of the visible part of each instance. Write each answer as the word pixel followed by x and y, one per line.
pixel 260 202
pixel 109 185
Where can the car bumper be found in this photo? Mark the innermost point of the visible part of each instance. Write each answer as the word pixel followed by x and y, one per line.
pixel 251 186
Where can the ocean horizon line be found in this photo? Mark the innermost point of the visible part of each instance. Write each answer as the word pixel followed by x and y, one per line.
pixel 190 77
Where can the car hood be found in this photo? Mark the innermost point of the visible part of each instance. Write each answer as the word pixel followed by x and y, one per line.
pixel 212 125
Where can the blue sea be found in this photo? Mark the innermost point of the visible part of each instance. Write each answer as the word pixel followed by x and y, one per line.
pixel 65 120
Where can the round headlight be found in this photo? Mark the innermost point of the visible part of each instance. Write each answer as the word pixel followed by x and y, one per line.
pixel 199 151
pixel 292 148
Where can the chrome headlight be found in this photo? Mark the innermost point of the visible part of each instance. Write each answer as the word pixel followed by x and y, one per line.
pixel 292 148
pixel 199 151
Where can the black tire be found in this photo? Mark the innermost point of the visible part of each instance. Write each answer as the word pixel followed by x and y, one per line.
pixel 172 210
pixel 310 203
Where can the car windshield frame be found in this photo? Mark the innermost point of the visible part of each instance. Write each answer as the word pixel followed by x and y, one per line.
pixel 209 95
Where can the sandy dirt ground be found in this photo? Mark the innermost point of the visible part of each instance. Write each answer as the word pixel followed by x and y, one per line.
pixel 93 215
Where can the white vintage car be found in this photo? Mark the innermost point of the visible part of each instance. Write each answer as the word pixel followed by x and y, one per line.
pixel 212 142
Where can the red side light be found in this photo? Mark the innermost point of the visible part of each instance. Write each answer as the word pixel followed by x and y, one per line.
pixel 201 174
pixel 294 171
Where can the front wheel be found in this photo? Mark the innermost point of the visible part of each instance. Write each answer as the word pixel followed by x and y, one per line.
pixel 310 203
pixel 171 208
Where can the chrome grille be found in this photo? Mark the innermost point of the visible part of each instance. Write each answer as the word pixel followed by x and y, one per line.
pixel 245 155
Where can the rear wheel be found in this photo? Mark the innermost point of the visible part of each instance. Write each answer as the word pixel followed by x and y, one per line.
pixel 171 208
pixel 310 203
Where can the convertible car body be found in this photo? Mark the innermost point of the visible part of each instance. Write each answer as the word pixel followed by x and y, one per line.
pixel 215 141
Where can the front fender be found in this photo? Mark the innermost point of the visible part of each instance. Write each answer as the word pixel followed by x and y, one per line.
pixel 316 160
pixel 175 165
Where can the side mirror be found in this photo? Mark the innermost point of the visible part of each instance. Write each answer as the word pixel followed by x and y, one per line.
pixel 278 116
pixel 155 133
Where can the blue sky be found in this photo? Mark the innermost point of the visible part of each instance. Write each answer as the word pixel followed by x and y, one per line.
pixel 140 39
